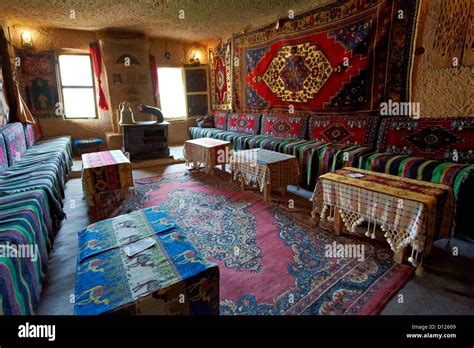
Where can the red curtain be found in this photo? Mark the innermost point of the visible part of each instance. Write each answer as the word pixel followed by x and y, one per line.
pixel 97 62
pixel 154 78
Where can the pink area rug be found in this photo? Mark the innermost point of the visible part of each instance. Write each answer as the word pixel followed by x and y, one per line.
pixel 272 260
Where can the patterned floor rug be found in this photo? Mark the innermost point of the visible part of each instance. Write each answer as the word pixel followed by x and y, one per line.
pixel 272 259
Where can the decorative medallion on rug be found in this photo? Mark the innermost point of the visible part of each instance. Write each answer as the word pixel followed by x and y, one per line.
pixel 221 77
pixel 271 260
pixel 349 55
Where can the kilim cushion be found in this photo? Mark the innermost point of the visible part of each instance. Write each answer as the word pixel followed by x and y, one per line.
pixel 220 119
pixel 3 155
pixel 205 122
pixel 30 134
pixel 355 129
pixel 284 126
pixel 439 139
pixel 15 141
pixel 244 123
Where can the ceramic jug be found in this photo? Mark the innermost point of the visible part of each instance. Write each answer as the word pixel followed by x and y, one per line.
pixel 126 114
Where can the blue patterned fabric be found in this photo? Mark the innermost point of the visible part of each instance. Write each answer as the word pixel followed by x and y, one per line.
pixel 24 220
pixel 108 280
pixel 31 208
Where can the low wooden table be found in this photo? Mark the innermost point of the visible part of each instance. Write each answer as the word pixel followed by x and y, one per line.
pixel 411 212
pixel 166 275
pixel 269 169
pixel 106 174
pixel 207 151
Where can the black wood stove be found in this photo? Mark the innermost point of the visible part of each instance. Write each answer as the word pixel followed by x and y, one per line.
pixel 146 140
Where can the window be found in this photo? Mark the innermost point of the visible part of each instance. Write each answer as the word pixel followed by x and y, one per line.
pixel 77 86
pixel 197 94
pixel 172 92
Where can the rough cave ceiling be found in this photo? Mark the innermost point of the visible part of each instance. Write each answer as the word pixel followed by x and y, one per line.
pixel 203 19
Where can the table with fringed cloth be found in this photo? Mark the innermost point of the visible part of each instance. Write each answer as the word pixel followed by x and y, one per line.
pixel 207 151
pixel 411 212
pixel 169 277
pixel 269 170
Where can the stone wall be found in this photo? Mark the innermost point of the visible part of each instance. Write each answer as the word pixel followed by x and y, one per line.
pixel 441 92
pixel 65 40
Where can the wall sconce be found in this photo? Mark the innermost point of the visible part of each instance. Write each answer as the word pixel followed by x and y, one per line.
pixel 26 40
pixel 194 57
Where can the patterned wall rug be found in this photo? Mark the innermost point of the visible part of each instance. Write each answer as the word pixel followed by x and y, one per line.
pixel 348 55
pixel 272 260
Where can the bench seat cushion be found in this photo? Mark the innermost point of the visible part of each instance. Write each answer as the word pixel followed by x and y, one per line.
pixel 15 141
pixel 220 119
pixel 3 154
pixel 442 139
pixel 244 123
pixel 359 129
pixel 289 126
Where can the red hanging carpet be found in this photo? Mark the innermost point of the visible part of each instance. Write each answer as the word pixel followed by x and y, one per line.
pixel 271 258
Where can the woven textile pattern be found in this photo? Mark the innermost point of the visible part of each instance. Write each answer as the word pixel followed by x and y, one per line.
pixel 266 167
pixel 244 123
pixel 410 212
pixel 150 282
pixel 220 119
pixel 437 139
pixel 348 55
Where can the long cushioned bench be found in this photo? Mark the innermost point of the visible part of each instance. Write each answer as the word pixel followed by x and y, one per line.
pixel 33 175
pixel 435 150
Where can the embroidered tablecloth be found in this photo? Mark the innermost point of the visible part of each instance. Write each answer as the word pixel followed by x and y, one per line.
pixel 207 151
pixel 410 212
pixel 265 167
pixel 105 172
pixel 170 277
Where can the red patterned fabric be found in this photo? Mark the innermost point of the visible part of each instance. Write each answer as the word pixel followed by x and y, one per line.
pixel 38 89
pixel 354 129
pixel 439 139
pixel 220 64
pixel 220 119
pixel 244 123
pixel 221 87
pixel 97 63
pixel 154 79
pixel 285 126
pixel 349 55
